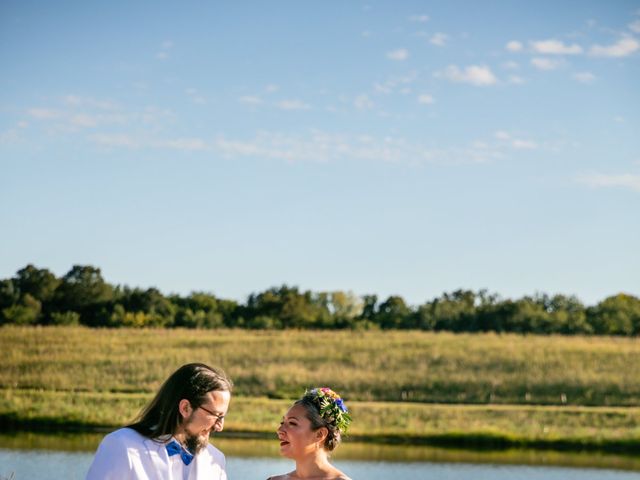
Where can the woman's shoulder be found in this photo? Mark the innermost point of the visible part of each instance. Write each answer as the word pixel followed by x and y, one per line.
pixel 288 476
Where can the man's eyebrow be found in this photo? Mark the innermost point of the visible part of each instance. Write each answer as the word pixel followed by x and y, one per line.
pixel 213 410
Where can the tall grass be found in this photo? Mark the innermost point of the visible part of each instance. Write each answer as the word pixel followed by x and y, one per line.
pixel 363 366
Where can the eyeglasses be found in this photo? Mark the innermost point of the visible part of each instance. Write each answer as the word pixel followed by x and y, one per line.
pixel 219 418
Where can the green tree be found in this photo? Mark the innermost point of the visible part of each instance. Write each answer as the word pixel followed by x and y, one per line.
pixel 9 294
pixel 344 308
pixel 65 318
pixel 455 311
pixel 40 283
pixel 84 291
pixel 215 312
pixel 292 308
pixel 25 312
pixel 568 314
pixel 394 313
pixel 529 316
pixel 159 310
pixel 616 315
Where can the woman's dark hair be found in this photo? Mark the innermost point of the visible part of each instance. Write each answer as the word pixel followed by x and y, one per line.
pixel 193 381
pixel 312 407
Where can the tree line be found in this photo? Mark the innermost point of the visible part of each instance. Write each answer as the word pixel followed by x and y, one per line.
pixel 35 296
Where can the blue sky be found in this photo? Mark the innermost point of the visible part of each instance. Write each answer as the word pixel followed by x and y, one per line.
pixel 406 148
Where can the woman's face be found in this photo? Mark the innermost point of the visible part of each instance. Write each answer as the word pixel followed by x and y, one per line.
pixel 295 434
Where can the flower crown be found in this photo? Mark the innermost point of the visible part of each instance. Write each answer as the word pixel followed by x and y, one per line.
pixel 331 406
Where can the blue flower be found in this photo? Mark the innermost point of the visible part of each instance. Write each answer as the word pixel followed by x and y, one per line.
pixel 341 404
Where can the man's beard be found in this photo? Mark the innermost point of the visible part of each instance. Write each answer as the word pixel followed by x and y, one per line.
pixel 195 443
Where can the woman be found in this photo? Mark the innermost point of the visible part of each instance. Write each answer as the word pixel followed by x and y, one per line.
pixel 311 429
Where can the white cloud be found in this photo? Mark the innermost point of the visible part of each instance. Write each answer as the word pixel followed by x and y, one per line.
pixel 477 75
pixel 419 18
pixel 119 140
pixel 77 113
pixel 555 47
pixel 43 113
pixel 85 112
pixel 545 63
pixel 519 144
pixel 114 140
pixel 505 139
pixel 292 105
pixel 250 100
pixel 625 46
pixel 271 88
pixel 514 46
pixel 195 96
pixel 163 54
pixel 439 39
pixel 510 65
pixel 390 85
pixel 363 102
pixel 188 144
pixel 78 101
pixel 10 136
pixel 515 80
pixel 400 54
pixel 383 88
pixel 635 26
pixel 319 146
pixel 584 77
pixel 602 180
pixel 83 120
pixel 425 99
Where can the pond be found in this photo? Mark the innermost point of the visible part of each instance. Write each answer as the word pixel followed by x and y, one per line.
pixel 38 456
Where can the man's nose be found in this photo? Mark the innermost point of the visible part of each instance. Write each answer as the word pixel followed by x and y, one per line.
pixel 219 425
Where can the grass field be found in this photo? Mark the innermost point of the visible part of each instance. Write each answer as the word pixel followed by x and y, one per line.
pixel 412 387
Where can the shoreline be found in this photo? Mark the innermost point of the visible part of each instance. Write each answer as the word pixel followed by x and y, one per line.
pixel 475 441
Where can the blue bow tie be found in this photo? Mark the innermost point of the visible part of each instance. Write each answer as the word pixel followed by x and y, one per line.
pixel 174 448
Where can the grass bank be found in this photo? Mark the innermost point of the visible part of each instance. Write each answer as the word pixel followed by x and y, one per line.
pixel 363 366
pixel 478 426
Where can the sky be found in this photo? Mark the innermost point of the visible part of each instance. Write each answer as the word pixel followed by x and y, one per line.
pixel 392 147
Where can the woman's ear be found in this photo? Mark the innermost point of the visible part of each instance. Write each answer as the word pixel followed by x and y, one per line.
pixel 321 434
pixel 184 407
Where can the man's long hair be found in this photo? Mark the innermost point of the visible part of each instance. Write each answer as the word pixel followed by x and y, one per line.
pixel 193 381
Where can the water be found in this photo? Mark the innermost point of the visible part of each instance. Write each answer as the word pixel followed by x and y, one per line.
pixel 41 465
pixel 41 456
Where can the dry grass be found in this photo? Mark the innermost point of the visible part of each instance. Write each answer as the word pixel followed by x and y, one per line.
pixel 363 366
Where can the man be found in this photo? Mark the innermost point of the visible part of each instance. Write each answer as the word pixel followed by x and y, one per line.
pixel 171 438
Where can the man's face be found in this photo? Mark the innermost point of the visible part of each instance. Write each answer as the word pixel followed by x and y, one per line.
pixel 198 423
